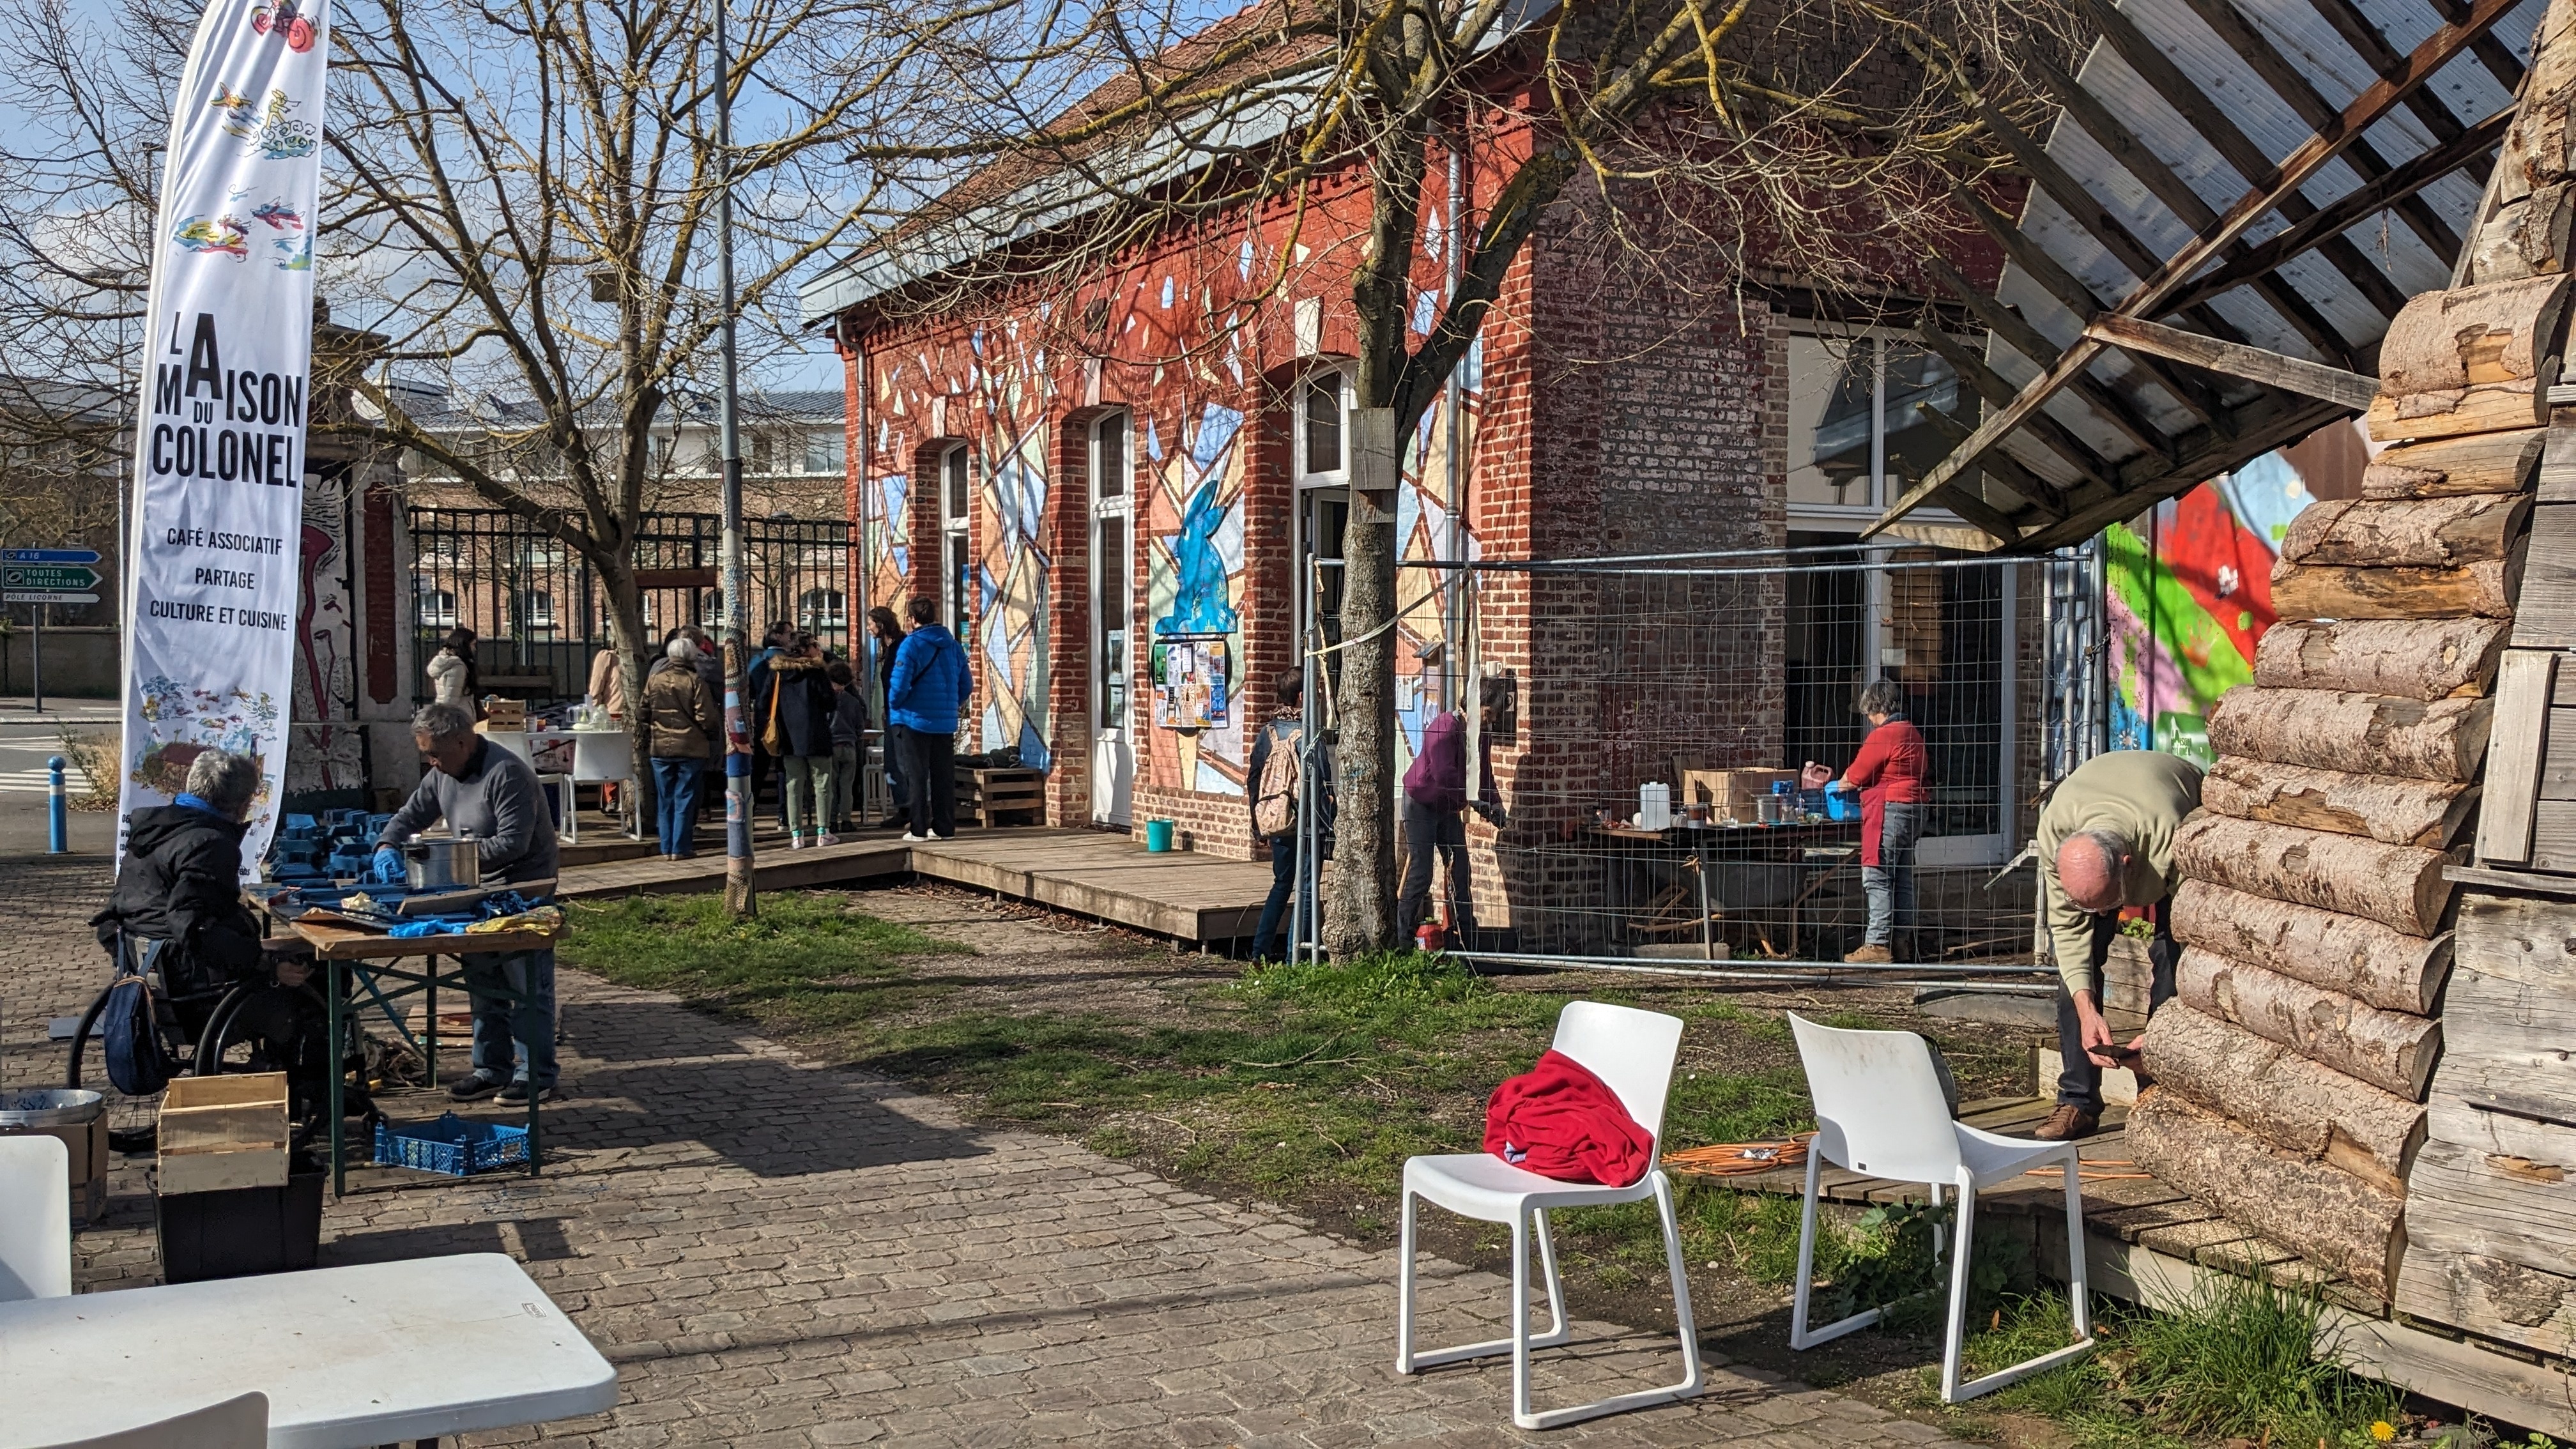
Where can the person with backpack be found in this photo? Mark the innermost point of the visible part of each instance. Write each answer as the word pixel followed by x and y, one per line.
pixel 924 697
pixel 1278 757
pixel 1435 790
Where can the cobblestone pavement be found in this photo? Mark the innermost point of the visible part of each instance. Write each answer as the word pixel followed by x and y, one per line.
pixel 777 1254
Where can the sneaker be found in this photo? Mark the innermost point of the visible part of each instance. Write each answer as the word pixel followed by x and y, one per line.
pixel 1879 955
pixel 796 842
pixel 517 1094
pixel 2067 1123
pixel 822 840
pixel 473 1086
pixel 915 836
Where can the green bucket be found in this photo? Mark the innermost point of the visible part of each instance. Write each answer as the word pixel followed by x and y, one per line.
pixel 1158 836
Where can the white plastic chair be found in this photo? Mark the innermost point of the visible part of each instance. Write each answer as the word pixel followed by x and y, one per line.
pixel 1879 1110
pixel 1632 1052
pixel 240 1423
pixel 35 1218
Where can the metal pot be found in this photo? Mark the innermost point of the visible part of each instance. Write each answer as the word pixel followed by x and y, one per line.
pixel 442 862
pixel 50 1107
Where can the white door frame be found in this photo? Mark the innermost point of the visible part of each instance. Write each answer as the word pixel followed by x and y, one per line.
pixel 1113 740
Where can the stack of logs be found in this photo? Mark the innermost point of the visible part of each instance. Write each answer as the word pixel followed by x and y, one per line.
pixel 2290 1069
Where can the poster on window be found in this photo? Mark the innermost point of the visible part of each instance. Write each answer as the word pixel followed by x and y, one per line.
pixel 1189 682
pixel 226 341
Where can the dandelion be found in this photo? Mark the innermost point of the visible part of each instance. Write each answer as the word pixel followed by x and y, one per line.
pixel 2383 1431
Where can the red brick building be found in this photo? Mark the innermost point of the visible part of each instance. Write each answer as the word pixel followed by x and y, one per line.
pixel 1118 487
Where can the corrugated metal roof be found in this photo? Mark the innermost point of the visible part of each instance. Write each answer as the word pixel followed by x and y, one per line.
pixel 2328 303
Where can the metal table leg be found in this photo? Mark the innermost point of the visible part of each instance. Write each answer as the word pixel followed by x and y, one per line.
pixel 334 985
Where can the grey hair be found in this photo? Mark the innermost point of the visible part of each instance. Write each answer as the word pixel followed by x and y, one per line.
pixel 680 648
pixel 2111 843
pixel 224 780
pixel 441 721
pixel 1882 696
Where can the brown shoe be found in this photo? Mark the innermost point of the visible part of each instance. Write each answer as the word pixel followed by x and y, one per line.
pixel 2067 1123
pixel 1877 954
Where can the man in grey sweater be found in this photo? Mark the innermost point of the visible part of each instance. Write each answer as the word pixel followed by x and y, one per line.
pixel 486 792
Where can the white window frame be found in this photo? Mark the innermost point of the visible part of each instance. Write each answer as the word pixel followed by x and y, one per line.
pixel 1309 476
pixel 1119 506
pixel 954 603
pixel 1934 850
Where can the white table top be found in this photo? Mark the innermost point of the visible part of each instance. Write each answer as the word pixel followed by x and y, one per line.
pixel 349 1357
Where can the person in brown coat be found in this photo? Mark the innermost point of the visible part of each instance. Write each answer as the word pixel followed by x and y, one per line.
pixel 688 730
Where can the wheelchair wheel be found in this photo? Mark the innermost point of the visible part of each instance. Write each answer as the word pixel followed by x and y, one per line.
pixel 133 1122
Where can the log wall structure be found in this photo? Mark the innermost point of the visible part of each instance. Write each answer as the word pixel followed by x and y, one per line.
pixel 2372 1055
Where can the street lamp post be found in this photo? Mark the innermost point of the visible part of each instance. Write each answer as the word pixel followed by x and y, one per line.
pixel 739 897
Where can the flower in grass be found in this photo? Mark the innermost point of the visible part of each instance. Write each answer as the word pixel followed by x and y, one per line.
pixel 2383 1431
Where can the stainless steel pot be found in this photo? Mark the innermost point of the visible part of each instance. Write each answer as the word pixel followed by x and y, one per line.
pixel 442 862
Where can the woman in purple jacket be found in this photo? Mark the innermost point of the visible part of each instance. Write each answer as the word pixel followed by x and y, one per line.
pixel 1435 790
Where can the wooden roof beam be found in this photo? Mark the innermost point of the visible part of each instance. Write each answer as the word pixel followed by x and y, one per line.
pixel 2352 208
pixel 2019 335
pixel 2239 151
pixel 2295 171
pixel 2001 470
pixel 2277 420
pixel 1989 385
pixel 2294 88
pixel 2492 53
pixel 2382 58
pixel 2253 364
pixel 2161 182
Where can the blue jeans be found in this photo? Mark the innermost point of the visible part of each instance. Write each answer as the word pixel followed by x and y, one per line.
pixel 675 791
pixel 500 1021
pixel 1283 889
pixel 1890 883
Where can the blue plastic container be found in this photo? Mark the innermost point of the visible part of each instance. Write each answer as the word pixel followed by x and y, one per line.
pixel 1842 803
pixel 452 1145
pixel 1158 836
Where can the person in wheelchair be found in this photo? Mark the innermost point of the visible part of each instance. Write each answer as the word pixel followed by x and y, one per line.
pixel 177 915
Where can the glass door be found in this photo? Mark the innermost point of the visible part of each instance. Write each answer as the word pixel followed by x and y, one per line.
pixel 1113 574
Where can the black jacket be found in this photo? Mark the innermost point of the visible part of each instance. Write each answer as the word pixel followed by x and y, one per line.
pixel 801 692
pixel 181 883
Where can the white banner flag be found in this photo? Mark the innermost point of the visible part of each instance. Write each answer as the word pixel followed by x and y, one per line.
pixel 219 453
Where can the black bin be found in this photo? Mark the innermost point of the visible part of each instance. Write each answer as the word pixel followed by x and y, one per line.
pixel 239 1231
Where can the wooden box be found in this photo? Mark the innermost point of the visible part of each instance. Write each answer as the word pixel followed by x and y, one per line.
pixel 87 1144
pixel 985 794
pixel 223 1132
pixel 1730 792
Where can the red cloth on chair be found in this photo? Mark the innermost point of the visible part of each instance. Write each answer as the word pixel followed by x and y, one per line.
pixel 1558 1120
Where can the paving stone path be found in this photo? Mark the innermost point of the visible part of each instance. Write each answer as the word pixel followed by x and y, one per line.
pixel 774 1253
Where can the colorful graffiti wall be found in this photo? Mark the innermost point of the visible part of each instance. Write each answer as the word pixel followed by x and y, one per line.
pixel 1436 603
pixel 2190 588
pixel 1193 490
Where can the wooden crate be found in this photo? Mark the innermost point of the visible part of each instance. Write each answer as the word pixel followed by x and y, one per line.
pixel 985 795
pixel 1730 792
pixel 223 1132
pixel 87 1145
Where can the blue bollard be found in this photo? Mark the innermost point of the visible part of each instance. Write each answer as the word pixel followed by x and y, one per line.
pixel 58 820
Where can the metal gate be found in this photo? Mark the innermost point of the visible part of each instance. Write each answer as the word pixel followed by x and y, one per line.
pixel 539 615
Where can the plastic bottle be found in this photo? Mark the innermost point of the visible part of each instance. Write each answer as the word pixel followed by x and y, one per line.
pixel 1654 805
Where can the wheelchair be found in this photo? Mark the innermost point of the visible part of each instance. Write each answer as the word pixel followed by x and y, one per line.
pixel 206 1026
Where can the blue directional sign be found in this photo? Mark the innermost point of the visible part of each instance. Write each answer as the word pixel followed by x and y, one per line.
pixel 48 555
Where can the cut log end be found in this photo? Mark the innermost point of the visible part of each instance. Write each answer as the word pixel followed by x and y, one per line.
pixel 2312 1207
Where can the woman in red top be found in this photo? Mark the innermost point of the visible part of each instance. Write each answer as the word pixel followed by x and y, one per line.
pixel 1888 772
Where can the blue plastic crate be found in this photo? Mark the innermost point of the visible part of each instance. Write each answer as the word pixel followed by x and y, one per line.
pixel 452 1145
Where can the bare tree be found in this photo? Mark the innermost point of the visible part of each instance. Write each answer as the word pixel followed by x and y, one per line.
pixel 1694 137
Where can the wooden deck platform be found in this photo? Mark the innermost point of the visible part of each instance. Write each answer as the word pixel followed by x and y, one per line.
pixel 2150 1243
pixel 1188 897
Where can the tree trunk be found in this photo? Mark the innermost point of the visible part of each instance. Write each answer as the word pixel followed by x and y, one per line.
pixel 2415 659
pixel 2395 885
pixel 2363 959
pixel 2385 808
pixel 2422 533
pixel 1359 916
pixel 2336 591
pixel 2447 341
pixel 2391 1051
pixel 2362 734
pixel 2314 1209
pixel 626 636
pixel 2287 1100
pixel 2478 463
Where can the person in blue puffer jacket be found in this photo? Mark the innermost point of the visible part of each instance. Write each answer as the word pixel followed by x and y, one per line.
pixel 923 698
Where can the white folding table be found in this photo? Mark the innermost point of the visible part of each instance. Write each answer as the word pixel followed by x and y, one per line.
pixel 349 1357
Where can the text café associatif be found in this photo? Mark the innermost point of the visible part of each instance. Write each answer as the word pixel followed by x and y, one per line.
pixel 195 447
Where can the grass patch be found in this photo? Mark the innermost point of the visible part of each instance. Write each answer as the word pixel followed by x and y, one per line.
pixel 805 962
pixel 2240 1360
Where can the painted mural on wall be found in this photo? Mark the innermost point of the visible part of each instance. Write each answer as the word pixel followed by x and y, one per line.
pixel 1428 529
pixel 2189 588
pixel 325 749
pixel 1016 555
pixel 1193 526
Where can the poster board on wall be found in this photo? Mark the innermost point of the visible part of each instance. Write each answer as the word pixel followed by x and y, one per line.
pixel 1190 675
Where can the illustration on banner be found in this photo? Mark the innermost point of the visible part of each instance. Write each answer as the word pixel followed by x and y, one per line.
pixel 281 17
pixel 185 721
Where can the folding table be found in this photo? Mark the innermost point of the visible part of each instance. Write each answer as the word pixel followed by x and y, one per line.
pixel 349 1357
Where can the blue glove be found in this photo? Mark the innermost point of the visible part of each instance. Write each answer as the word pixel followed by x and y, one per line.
pixel 389 864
